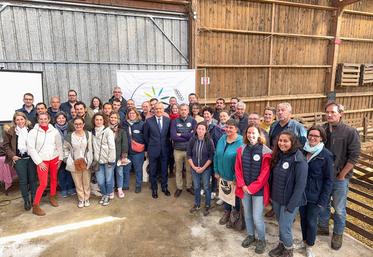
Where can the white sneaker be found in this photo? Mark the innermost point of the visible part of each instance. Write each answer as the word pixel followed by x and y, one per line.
pixel 102 200
pixel 120 193
pixel 106 201
pixel 213 194
pixel 219 202
pixel 87 203
pixel 80 204
pixel 202 192
pixel 111 196
pixel 309 252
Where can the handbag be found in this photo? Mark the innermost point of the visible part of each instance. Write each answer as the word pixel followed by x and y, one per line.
pixel 80 165
pixel 135 146
pixel 95 166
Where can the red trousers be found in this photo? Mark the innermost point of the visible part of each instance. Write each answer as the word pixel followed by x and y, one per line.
pixel 52 169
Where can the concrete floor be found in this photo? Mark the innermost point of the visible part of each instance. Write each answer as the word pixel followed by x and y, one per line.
pixel 135 226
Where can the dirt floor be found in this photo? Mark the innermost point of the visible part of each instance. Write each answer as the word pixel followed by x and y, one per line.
pixel 137 226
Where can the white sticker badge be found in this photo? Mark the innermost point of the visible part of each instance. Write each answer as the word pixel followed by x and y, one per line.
pixel 285 165
pixel 256 157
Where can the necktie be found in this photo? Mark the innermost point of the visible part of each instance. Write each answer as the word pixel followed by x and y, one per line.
pixel 159 124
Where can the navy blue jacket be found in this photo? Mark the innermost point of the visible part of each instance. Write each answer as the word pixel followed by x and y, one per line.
pixel 320 178
pixel 185 128
pixel 296 171
pixel 137 133
pixel 157 143
pixel 31 116
pixel 66 107
pixel 208 151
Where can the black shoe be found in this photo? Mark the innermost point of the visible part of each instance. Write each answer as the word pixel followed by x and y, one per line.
pixel 194 209
pixel 166 192
pixel 190 191
pixel 278 251
pixel 137 190
pixel 206 211
pixel 178 192
pixel 248 241
pixel 154 194
pixel 336 241
pixel 260 246
pixel 27 205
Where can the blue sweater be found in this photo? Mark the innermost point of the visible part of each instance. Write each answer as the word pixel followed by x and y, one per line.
pixel 288 180
pixel 225 157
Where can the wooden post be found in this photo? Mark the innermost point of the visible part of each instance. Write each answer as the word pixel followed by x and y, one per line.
pixel 271 52
pixel 193 16
pixel 365 128
pixel 333 51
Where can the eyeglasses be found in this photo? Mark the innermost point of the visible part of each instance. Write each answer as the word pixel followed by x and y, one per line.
pixel 71 95
pixel 314 136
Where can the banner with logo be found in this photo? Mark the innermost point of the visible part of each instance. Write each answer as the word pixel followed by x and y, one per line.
pixel 142 85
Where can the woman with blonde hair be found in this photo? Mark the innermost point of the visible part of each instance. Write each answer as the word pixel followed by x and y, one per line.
pixel 45 148
pixel 15 147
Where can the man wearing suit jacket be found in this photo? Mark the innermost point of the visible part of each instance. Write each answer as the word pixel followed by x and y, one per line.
pixel 157 141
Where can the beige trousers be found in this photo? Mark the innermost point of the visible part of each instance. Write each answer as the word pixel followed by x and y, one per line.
pixel 180 158
pixel 82 182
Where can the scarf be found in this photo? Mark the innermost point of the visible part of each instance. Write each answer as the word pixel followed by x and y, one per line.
pixel 174 116
pixel 62 129
pixel 45 128
pixel 22 139
pixel 115 129
pixel 315 150
pixel 98 131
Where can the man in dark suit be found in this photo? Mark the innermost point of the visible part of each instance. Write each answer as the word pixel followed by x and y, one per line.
pixel 157 141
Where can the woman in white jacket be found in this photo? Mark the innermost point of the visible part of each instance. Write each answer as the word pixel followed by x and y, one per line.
pixel 44 145
pixel 104 153
pixel 78 155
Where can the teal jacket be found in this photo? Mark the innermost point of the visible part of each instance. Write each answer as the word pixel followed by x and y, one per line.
pixel 225 157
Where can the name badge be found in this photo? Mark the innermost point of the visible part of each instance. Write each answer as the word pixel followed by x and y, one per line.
pixel 285 165
pixel 189 124
pixel 256 157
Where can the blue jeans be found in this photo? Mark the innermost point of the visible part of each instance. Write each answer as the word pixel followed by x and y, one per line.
pixel 339 198
pixel 308 222
pixel 122 176
pixel 253 209
pixel 104 178
pixel 285 221
pixel 228 207
pixel 205 177
pixel 65 180
pixel 137 161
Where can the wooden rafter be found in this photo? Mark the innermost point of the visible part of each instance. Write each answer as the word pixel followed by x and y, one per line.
pixel 343 3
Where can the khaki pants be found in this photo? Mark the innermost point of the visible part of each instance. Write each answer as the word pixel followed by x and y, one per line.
pixel 82 182
pixel 180 158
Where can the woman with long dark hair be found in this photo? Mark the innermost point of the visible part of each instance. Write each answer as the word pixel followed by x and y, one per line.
pixel 200 153
pixel 65 180
pixel 15 147
pixel 289 171
pixel 104 154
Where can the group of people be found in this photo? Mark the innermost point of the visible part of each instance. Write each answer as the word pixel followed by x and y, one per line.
pixel 272 159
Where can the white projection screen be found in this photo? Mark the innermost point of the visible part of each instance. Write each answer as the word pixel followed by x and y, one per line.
pixel 13 85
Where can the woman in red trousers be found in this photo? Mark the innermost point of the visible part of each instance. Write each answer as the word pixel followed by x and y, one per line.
pixel 44 145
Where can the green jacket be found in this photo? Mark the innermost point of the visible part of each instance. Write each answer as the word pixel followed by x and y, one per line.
pixel 225 157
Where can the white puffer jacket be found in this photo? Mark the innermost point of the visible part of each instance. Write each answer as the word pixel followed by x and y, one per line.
pixel 68 152
pixel 106 136
pixel 44 145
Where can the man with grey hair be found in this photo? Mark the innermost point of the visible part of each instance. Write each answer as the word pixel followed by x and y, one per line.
pixel 344 142
pixel 55 107
pixel 182 129
pixel 241 117
pixel 284 122
pixel 117 94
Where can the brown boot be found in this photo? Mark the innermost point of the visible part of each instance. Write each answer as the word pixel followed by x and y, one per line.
pixel 53 201
pixel 223 220
pixel 270 213
pixel 336 241
pixel 37 210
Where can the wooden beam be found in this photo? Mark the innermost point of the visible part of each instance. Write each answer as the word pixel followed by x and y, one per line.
pixel 297 66
pixel 358 12
pixel 294 4
pixel 343 3
pixel 193 36
pixel 255 32
pixel 333 51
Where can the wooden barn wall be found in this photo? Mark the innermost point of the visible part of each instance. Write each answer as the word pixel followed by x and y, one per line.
pixel 266 53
